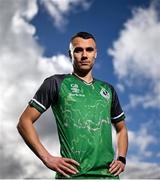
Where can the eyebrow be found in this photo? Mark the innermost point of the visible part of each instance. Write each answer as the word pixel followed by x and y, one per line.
pixel 80 49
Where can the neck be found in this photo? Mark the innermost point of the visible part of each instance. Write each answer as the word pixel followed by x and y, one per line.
pixel 87 77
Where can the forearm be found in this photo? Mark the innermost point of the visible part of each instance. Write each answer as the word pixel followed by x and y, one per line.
pixel 30 136
pixel 122 142
pixel 117 166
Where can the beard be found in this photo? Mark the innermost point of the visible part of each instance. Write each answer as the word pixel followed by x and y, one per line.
pixel 83 68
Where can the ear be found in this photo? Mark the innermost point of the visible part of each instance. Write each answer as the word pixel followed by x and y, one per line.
pixel 95 55
pixel 69 53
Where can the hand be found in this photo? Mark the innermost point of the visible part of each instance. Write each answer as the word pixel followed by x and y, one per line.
pixel 62 165
pixel 116 167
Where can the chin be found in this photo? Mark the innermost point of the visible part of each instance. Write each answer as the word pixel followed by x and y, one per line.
pixel 85 69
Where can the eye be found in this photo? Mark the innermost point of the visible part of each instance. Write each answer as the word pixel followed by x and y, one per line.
pixel 89 49
pixel 78 49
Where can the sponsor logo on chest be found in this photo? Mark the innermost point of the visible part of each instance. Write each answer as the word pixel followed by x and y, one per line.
pixel 75 91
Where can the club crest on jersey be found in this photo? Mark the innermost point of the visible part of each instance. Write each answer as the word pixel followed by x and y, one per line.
pixel 104 93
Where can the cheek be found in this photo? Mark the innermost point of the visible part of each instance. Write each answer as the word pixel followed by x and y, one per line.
pixel 76 57
pixel 93 58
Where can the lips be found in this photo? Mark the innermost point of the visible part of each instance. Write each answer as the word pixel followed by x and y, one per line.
pixel 85 62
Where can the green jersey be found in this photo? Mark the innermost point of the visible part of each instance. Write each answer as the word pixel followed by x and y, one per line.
pixel 84 115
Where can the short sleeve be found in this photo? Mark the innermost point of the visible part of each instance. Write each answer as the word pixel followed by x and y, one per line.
pixel 46 95
pixel 117 113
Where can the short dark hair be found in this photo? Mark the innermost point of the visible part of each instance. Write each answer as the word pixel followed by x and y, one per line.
pixel 84 35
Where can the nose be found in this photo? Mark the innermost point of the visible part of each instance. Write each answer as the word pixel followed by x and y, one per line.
pixel 84 53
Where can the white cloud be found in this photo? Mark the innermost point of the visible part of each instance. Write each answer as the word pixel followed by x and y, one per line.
pixel 141 144
pixel 141 170
pixel 136 54
pixel 22 69
pixel 120 87
pixel 59 9
pixel 56 64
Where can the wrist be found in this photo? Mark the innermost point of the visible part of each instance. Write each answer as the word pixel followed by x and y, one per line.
pixel 44 157
pixel 122 159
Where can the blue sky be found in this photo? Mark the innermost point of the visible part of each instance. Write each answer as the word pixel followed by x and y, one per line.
pixel 103 19
pixel 35 36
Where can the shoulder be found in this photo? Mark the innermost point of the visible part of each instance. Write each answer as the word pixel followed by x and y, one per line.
pixel 52 82
pixel 56 77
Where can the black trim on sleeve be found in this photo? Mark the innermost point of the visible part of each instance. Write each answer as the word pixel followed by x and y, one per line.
pixel 34 103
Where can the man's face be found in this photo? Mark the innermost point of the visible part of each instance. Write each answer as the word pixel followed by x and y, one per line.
pixel 83 53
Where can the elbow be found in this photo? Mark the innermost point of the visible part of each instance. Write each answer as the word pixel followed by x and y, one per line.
pixel 124 131
pixel 19 125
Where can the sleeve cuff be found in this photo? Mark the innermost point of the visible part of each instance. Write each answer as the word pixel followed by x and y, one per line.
pixel 118 118
pixel 34 103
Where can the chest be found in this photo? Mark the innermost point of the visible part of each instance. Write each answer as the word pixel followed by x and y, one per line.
pixel 77 94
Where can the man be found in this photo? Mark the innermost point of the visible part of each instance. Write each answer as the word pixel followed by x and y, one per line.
pixel 85 109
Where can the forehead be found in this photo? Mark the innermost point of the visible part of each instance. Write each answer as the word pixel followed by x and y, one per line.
pixel 80 42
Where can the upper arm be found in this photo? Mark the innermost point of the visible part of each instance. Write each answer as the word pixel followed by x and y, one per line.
pixel 30 114
pixel 120 126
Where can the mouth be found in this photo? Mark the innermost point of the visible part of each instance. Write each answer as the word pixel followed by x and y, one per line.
pixel 85 62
